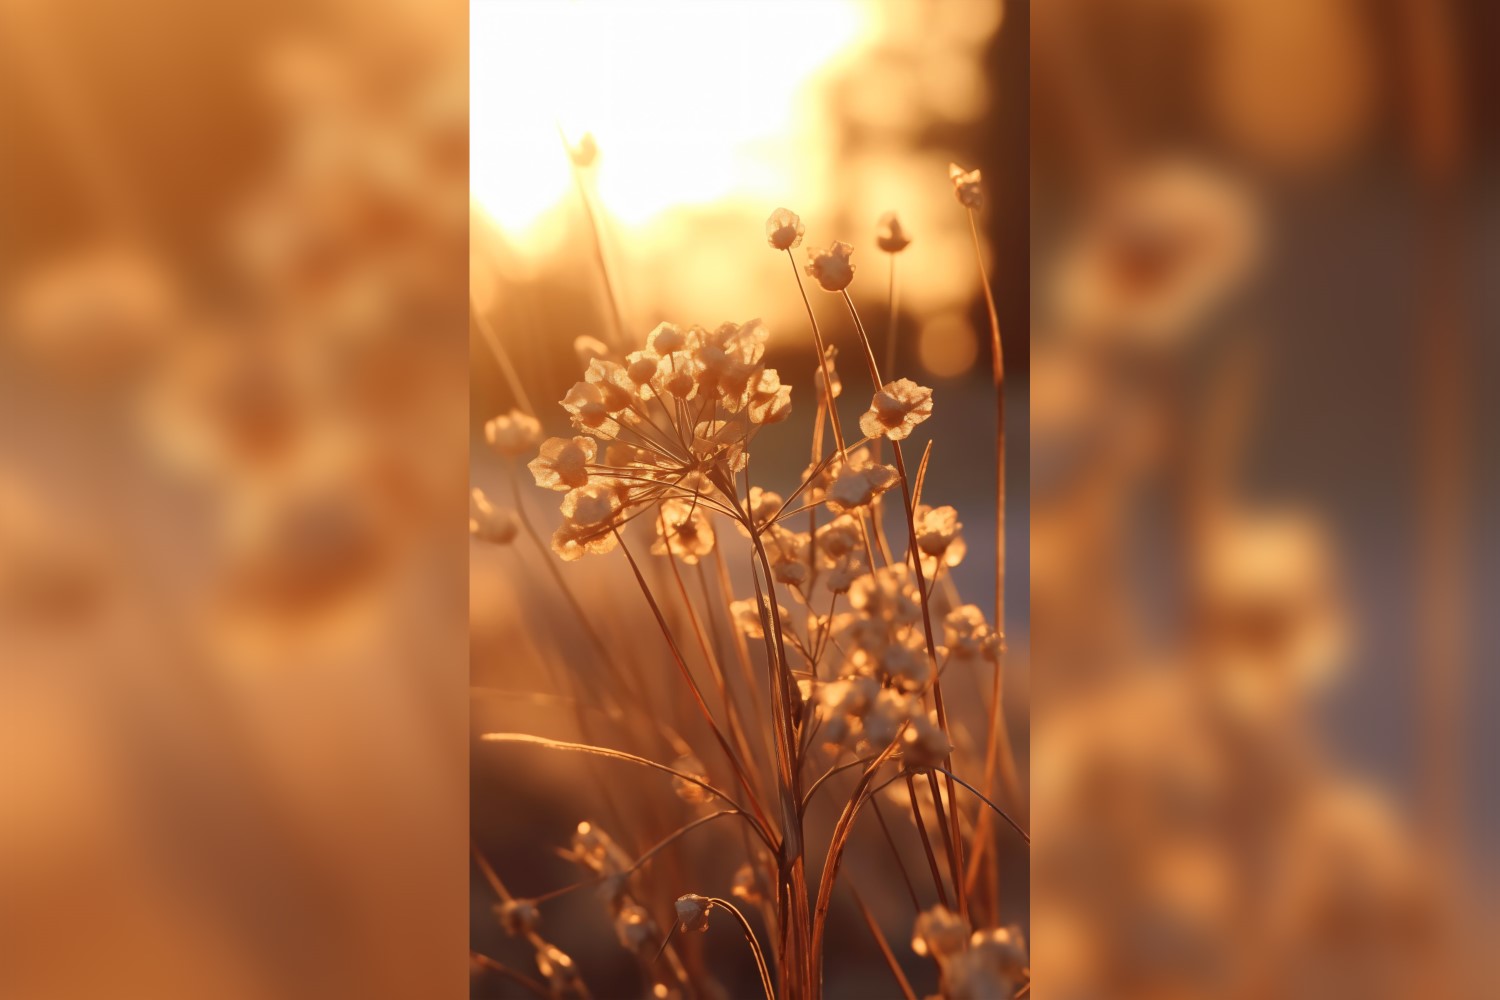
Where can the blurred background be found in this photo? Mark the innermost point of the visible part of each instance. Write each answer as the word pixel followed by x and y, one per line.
pixel 1262 235
pixel 232 475
pixel 690 123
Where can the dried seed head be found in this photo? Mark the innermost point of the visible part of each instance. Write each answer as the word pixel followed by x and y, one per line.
pixel 831 268
pixel 558 969
pixel 924 743
pixel 853 488
pixel 585 152
pixel 966 186
pixel 589 348
pixel 687 791
pixel 1005 947
pixel 665 339
pixel 905 664
pixel 693 911
pixel 968 635
pixel 784 230
pixel 592 411
pixel 683 528
pixel 518 916
pixel 748 885
pixel 889 234
pixel 562 463
pixel 939 933
pixel 496 525
pixel 896 410
pixel 635 928
pixel 513 434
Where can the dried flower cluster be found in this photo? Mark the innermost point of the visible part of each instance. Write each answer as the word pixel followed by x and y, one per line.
pixel 834 660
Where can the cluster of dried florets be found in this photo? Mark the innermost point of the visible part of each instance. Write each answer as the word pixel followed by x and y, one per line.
pixel 664 428
pixel 664 431
pixel 986 963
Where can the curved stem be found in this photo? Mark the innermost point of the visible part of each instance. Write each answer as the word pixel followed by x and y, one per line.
pixel 833 411
pixel 760 957
pixel 541 741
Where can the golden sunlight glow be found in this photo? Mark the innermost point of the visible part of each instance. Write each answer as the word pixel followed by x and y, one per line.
pixel 690 103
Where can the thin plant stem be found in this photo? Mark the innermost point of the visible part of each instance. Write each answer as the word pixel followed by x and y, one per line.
pixel 502 358
pixel 520 979
pixel 687 675
pixel 955 852
pixel 890 336
pixel 617 322
pixel 863 791
pixel 763 831
pixel 998 753
pixel 833 410
pixel 731 713
pixel 884 946
pixel 911 887
pixel 760 958
pixel 639 862
pixel 985 799
pixel 916 815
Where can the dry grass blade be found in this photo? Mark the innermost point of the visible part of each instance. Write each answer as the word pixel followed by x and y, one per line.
pixel 885 948
pixel 547 744
pixel 524 981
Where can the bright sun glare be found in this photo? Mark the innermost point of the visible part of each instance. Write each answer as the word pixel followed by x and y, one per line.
pixel 690 103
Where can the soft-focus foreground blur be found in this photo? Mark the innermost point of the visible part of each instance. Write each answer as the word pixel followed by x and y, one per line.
pixel 1262 566
pixel 625 158
pixel 232 447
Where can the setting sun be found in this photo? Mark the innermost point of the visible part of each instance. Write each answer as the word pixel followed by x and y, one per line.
pixel 689 103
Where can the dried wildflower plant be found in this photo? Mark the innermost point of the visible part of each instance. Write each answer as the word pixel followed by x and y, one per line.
pixel 823 685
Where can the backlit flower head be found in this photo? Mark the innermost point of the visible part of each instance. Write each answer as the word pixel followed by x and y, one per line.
pixel 559 969
pixel 665 339
pixel 769 402
pixel 889 235
pixel 939 536
pixel 939 933
pixel 784 230
pixel 896 410
pixel 616 387
pixel 968 635
pixel 512 434
pixel 589 522
pixel 683 529
pixel 889 711
pixel 643 368
pixel 748 884
pixel 687 791
pixel 488 523
pixel 584 152
pixel 852 488
pixel 634 927
pixel 562 463
pixel 518 916
pixel 888 595
pixel 905 664
pixel 966 186
pixel 839 538
pixel 831 268
pixel 587 403
pixel 677 417
pixel 693 911
pixel 589 348
pixel 924 744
